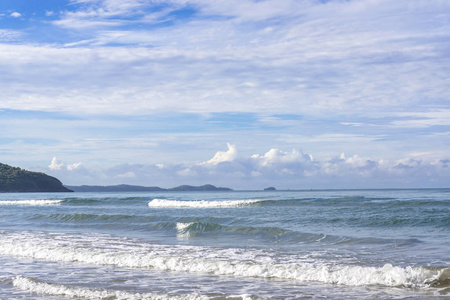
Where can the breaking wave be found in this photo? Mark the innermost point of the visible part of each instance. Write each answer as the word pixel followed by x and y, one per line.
pixel 31 202
pixel 119 252
pixel 51 289
pixel 164 203
pixel 193 229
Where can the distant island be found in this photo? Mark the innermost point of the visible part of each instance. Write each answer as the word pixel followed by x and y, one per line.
pixel 137 188
pixel 270 189
pixel 17 180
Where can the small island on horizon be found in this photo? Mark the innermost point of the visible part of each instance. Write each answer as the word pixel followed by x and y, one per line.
pixel 270 189
pixel 138 188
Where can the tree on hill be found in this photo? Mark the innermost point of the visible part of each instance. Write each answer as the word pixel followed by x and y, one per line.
pixel 13 179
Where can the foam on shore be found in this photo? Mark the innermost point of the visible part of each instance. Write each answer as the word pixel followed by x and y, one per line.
pixel 216 261
pixel 43 288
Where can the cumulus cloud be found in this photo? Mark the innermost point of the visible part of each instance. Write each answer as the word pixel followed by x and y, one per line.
pixel 275 156
pixel 284 169
pixel 352 166
pixel 74 166
pixel 55 165
pixel 223 156
pixel 16 15
pixel 58 165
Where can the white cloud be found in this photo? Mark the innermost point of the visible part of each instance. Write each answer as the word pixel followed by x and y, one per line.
pixel 275 156
pixel 335 57
pixel 255 174
pixel 74 166
pixel 55 165
pixel 16 14
pixel 352 166
pixel 247 11
pixel 109 13
pixel 127 175
pixel 293 170
pixel 339 57
pixel 424 119
pixel 186 172
pixel 9 35
pixel 222 156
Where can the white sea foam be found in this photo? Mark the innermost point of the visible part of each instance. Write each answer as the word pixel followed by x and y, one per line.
pixel 44 288
pixel 201 203
pixel 182 230
pixel 31 202
pixel 234 262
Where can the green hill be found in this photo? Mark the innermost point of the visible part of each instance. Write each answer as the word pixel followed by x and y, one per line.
pixel 115 188
pixel 136 188
pixel 14 180
pixel 206 187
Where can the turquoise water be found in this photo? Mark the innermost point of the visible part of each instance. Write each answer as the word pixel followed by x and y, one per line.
pixel 338 244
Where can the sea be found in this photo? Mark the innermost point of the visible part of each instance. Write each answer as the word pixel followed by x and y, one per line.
pixel 309 244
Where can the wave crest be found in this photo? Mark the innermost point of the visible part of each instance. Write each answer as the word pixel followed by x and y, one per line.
pixel 164 203
pixel 31 202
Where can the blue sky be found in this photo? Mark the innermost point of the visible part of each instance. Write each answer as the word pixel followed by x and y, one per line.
pixel 245 94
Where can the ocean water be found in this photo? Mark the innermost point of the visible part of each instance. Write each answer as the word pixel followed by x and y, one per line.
pixel 334 244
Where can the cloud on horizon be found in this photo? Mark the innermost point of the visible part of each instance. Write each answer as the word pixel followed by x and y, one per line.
pixel 287 170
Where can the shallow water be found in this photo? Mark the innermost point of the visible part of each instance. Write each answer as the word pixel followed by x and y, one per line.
pixel 226 245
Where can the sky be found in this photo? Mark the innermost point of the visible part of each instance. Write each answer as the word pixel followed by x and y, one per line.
pixel 295 94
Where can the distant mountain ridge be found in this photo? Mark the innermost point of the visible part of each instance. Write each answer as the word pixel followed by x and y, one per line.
pixel 137 188
pixel 17 180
